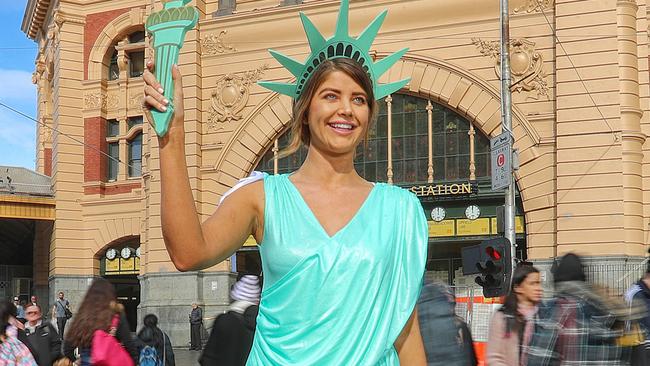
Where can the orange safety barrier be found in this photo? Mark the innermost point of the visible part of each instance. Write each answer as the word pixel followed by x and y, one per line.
pixel 480 347
pixel 481 299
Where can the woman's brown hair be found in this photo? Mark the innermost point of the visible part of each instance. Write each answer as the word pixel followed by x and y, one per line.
pixel 299 128
pixel 95 312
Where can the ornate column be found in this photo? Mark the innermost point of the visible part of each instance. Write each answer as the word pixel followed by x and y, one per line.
pixel 632 138
pixel 430 141
pixel 43 129
pixel 275 157
pixel 123 170
pixel 472 158
pixel 122 59
pixel 389 170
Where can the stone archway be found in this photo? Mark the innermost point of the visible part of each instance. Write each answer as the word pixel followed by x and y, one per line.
pixel 102 234
pixel 440 81
pixel 119 26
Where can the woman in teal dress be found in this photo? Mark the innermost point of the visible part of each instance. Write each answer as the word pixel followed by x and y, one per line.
pixel 343 258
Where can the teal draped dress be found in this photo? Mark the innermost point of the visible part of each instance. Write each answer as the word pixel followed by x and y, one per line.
pixel 341 299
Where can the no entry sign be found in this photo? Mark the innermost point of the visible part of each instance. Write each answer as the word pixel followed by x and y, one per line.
pixel 501 160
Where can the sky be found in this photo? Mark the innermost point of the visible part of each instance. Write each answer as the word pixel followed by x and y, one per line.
pixel 17 54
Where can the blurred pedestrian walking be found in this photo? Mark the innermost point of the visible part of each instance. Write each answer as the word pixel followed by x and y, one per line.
pixel 579 325
pixel 160 347
pixel 639 295
pixel 447 339
pixel 12 351
pixel 231 338
pixel 40 337
pixel 196 323
pixel 99 310
pixel 512 326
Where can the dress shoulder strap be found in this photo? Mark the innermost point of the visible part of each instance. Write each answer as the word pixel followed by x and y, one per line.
pixel 254 177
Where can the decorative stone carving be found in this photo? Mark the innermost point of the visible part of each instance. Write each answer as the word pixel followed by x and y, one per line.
pixel 54 28
pixel 100 100
pixel 230 97
pixel 526 65
pixel 39 70
pixel 93 100
pixel 45 132
pixel 122 56
pixel 136 101
pixel 534 6
pixel 111 101
pixel 213 44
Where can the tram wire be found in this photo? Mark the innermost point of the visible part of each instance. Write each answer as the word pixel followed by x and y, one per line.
pixel 119 161
pixel 64 134
pixel 615 140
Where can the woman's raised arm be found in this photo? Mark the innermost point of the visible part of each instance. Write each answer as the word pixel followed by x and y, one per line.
pixel 192 245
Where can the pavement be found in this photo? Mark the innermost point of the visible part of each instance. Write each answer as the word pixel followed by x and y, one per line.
pixel 185 357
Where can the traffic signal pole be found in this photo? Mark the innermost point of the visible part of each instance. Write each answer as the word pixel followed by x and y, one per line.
pixel 506 118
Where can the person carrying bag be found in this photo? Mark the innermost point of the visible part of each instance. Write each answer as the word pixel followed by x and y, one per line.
pixel 100 332
pixel 106 350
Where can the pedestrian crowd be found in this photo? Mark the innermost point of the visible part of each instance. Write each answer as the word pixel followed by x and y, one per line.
pixel 579 324
pixel 99 333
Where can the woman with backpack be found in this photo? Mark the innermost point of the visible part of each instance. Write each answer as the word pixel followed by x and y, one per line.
pixel 512 326
pixel 156 347
pixel 99 328
pixel 12 351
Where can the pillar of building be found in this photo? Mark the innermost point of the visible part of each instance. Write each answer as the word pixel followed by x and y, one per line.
pixel 69 258
pixel 632 138
pixel 40 263
pixel 169 296
pixel 74 288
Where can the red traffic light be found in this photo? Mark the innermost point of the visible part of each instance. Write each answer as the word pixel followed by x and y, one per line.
pixel 493 253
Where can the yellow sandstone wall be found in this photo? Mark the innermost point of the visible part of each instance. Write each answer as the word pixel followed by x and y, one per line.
pixel 584 172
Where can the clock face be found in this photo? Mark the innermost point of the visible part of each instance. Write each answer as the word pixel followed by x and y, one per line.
pixel 111 254
pixel 126 252
pixel 137 252
pixel 438 214
pixel 472 212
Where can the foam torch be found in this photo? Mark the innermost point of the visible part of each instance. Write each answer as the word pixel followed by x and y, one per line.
pixel 168 28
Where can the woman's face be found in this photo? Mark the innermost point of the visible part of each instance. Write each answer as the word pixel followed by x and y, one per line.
pixel 530 290
pixel 338 114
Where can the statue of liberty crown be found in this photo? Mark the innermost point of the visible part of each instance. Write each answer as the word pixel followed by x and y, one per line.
pixel 340 45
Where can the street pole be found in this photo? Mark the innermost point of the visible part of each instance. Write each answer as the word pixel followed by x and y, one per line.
pixel 506 118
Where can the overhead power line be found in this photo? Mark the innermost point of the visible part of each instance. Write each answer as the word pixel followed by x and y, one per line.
pixel 63 134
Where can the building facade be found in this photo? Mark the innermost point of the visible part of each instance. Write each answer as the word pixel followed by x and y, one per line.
pixel 580 121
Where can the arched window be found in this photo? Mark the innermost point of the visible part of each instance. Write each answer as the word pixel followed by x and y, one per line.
pixel 131 48
pixel 451 158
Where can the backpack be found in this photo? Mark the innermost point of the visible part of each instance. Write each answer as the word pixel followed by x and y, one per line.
pixel 149 357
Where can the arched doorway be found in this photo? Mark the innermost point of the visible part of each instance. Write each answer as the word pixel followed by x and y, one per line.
pixel 120 264
pixel 449 171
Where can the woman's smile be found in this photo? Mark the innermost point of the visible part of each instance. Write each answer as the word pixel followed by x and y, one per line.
pixel 342 127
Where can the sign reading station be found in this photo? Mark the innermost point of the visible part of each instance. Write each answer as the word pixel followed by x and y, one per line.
pixel 452 189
